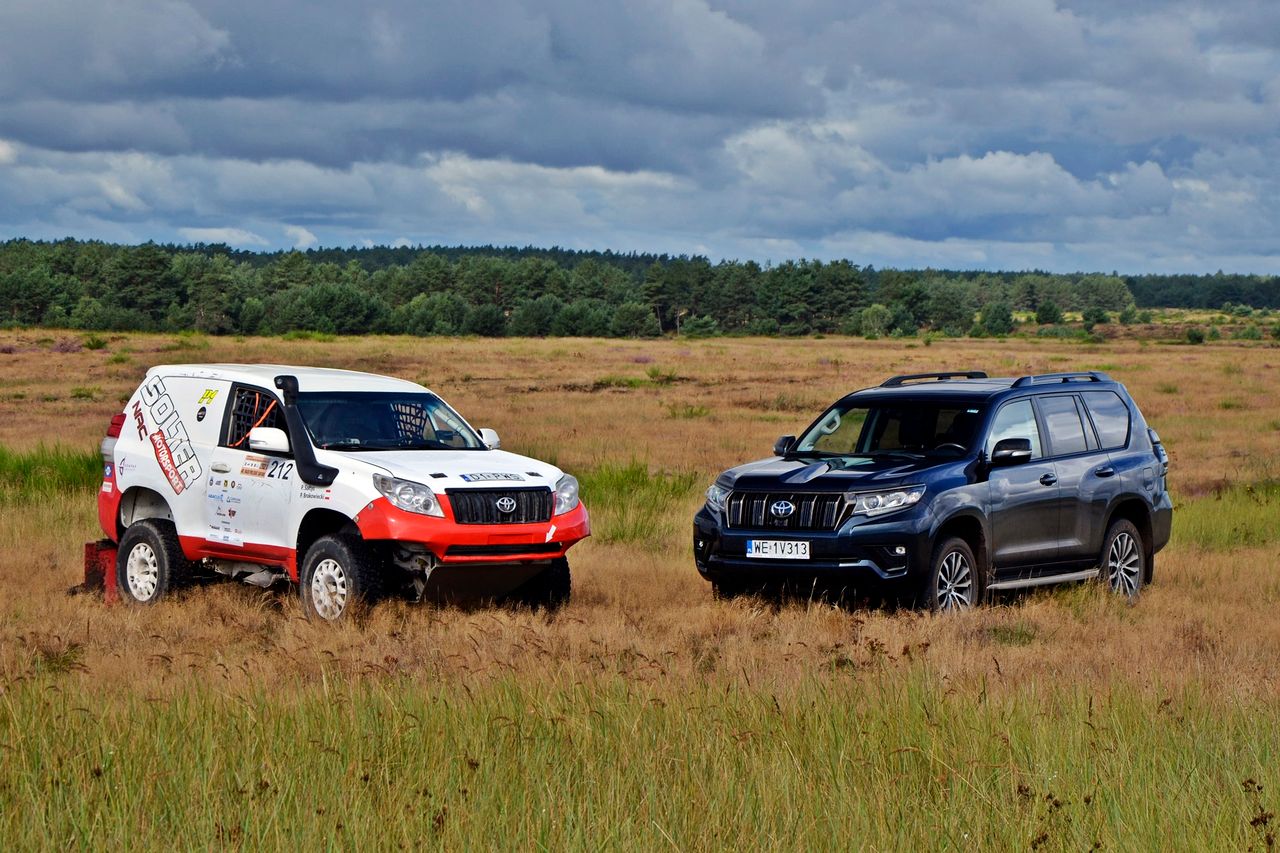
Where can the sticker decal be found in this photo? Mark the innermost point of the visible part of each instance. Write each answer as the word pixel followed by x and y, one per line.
pixel 207 397
pixel 255 466
pixel 169 441
pixel 315 493
pixel 200 413
pixel 106 471
pixel 107 488
pixel 480 478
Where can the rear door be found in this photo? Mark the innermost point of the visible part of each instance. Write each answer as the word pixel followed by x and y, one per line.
pixel 1023 498
pixel 248 494
pixel 1085 481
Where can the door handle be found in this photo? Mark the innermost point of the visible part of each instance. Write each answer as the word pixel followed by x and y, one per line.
pixel 220 468
pixel 1104 471
pixel 1048 479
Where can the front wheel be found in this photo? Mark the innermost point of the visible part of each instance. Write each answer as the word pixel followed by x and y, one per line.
pixel 339 573
pixel 150 561
pixel 952 583
pixel 1124 559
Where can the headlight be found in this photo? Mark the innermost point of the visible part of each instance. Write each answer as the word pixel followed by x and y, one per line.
pixel 879 503
pixel 566 494
pixel 408 495
pixel 716 496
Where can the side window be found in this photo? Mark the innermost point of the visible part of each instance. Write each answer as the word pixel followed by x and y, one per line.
pixel 250 408
pixel 1111 417
pixel 1062 419
pixel 1015 420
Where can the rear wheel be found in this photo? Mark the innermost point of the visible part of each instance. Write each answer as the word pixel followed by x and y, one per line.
pixel 550 589
pixel 952 583
pixel 1124 556
pixel 339 574
pixel 150 561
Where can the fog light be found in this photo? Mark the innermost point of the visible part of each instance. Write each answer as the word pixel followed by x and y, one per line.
pixel 899 550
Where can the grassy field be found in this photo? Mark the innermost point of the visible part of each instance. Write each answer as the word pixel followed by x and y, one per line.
pixel 646 714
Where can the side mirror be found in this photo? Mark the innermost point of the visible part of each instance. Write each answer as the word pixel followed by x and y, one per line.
pixel 783 445
pixel 1011 451
pixel 268 440
pixel 490 439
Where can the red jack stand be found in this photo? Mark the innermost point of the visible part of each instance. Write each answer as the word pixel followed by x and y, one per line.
pixel 100 569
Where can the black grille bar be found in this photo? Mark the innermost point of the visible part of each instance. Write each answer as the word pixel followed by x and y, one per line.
pixel 481 506
pixel 502 550
pixel 810 510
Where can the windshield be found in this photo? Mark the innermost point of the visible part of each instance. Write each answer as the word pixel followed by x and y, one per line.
pixel 908 428
pixel 360 420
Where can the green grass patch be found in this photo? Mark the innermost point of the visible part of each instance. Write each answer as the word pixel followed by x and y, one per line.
pixel 894 762
pixel 47 470
pixel 91 392
pixel 686 411
pixel 305 335
pixel 1236 517
pixel 93 342
pixel 620 382
pixel 1167 388
pixel 1230 404
pixel 630 503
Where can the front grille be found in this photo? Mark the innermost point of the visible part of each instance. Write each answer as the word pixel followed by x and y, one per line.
pixel 811 511
pixel 480 506
pixel 502 550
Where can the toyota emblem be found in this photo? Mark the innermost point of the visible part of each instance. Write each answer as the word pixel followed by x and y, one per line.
pixel 506 504
pixel 782 509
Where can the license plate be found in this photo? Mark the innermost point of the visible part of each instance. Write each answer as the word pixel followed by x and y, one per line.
pixel 773 549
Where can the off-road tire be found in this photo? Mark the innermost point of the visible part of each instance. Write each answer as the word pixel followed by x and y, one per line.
pixel 340 576
pixel 953 582
pixel 150 562
pixel 549 590
pixel 1122 565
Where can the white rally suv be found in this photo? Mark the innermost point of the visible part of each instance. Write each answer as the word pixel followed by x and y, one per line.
pixel 350 484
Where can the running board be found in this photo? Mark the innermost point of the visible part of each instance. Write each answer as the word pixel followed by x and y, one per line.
pixel 1087 574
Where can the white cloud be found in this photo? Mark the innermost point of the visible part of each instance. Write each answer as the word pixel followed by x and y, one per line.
pixel 230 236
pixel 8 153
pixel 301 237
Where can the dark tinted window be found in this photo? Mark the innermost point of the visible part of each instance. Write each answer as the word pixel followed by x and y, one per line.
pixel 1111 417
pixel 1015 420
pixel 1066 433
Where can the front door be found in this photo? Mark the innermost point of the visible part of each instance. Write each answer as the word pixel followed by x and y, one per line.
pixel 1023 498
pixel 247 498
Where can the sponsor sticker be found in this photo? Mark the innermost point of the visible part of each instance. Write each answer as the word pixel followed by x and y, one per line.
pixel 169 441
pixel 207 397
pixel 200 413
pixel 107 488
pixel 481 478
pixel 106 471
pixel 255 466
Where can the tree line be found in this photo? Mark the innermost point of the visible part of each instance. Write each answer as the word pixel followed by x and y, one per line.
pixel 537 292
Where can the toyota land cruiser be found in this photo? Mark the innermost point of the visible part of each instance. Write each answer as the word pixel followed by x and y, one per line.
pixel 349 484
pixel 943 487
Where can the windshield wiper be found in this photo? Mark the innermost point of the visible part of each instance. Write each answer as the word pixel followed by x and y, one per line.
pixel 908 454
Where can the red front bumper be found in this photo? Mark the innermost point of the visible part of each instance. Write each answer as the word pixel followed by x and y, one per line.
pixel 451 542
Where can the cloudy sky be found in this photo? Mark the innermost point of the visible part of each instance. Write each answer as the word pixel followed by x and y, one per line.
pixel 1135 136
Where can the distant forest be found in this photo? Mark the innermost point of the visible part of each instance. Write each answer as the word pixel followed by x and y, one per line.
pixel 487 290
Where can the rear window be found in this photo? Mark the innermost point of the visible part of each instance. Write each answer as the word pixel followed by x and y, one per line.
pixel 1066 433
pixel 1111 417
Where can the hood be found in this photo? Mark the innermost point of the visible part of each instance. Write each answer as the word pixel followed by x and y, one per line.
pixel 838 474
pixel 457 469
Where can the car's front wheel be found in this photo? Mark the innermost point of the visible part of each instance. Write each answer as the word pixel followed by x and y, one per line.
pixel 339 573
pixel 952 583
pixel 1124 559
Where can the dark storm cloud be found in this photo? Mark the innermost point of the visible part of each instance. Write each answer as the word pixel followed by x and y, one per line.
pixel 967 132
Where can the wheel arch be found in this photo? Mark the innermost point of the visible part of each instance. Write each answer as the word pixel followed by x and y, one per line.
pixel 316 523
pixel 1136 511
pixel 138 503
pixel 972 528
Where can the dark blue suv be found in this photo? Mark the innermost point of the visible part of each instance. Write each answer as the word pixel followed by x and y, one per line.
pixel 944 487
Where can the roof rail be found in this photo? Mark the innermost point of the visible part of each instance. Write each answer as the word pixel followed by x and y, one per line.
pixel 911 377
pixel 1082 376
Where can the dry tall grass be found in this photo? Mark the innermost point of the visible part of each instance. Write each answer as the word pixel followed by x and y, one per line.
pixel 1209 628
